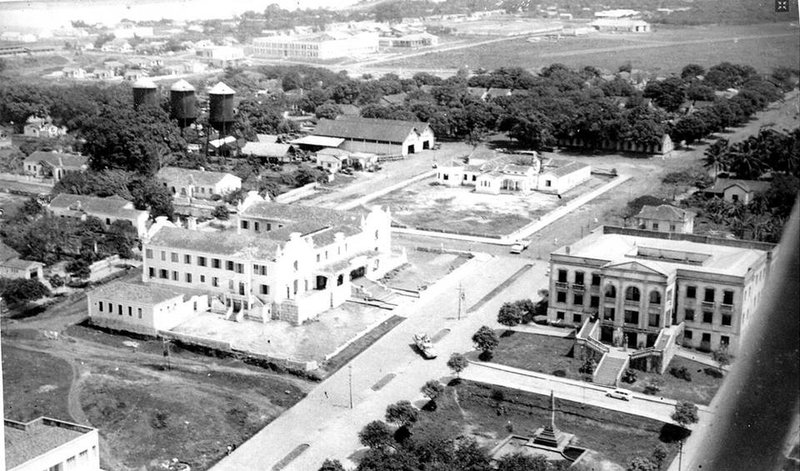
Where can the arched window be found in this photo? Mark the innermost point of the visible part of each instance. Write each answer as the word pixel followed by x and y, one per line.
pixel 632 294
pixel 655 297
pixel 611 291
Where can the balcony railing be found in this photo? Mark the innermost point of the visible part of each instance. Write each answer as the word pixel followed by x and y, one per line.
pixel 562 285
pixel 578 288
pixel 630 302
pixel 726 308
pixel 708 304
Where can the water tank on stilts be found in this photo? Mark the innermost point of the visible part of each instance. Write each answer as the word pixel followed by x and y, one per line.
pixel 145 93
pixel 183 103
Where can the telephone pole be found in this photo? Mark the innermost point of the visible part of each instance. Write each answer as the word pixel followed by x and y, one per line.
pixel 461 299
pixel 350 383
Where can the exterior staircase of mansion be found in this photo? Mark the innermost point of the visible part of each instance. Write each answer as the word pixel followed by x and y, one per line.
pixel 615 360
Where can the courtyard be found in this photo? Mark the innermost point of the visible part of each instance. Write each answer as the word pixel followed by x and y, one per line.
pixel 428 206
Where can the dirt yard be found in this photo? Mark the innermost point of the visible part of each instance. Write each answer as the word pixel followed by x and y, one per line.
pixel 428 206
pixel 144 404
pixel 424 268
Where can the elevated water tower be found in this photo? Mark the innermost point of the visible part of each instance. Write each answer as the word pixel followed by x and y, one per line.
pixel 220 115
pixel 145 93
pixel 183 103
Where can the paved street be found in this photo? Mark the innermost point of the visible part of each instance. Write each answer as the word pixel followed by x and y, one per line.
pixel 324 421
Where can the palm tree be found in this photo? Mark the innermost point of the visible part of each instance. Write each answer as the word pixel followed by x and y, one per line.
pixel 716 156
pixel 745 159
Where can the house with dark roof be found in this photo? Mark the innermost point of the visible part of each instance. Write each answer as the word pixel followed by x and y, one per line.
pixel 665 218
pixel 46 443
pixel 188 183
pixel 741 191
pixel 53 164
pixel 108 210
pixel 282 261
pixel 11 266
pixel 377 136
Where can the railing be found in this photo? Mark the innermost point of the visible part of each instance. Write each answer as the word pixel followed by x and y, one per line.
pixel 708 304
pixel 596 345
pixel 562 285
pixel 578 288
pixel 630 302
pixel 726 308
pixel 594 289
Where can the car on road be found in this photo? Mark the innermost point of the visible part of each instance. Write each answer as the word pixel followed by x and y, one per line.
pixel 520 245
pixel 621 394
pixel 425 346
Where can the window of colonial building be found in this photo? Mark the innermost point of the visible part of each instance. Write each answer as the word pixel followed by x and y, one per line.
pixel 163 274
pixel 215 263
pixel 578 277
pixel 577 299
pixel 655 226
pixel 724 341
pixel 245 224
pixel 631 317
pixel 562 276
pixel 174 257
pixel 215 282
pixel 655 320
pixel 151 272
pixel 560 315
pixel 595 280
pixel 691 292
pixel 709 295
pixel 611 291
pixel 726 319
pixel 187 259
pixel 202 278
pixel 632 294
pixel 201 261
pixel 688 314
pixel 264 289
pixel 608 313
pixel 149 253
pixel 727 297
pixel 708 317
pixel 577 318
pixel 687 334
pixel 188 277
pixel 561 296
pixel 163 256
pixel 655 297
pixel 594 301
pixel 229 265
pixel 101 306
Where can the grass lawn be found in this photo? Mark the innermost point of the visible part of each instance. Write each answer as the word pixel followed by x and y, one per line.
pixel 35 384
pixel 423 269
pixel 486 412
pixel 540 353
pixel 545 354
pixel 700 389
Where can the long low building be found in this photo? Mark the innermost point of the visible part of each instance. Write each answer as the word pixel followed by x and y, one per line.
pixel 50 444
pixel 377 136
pixel 108 210
pixel 320 46
pixel 638 282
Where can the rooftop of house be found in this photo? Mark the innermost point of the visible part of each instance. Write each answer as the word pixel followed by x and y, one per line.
pixel 755 186
pixel 664 255
pixel 136 292
pixel 183 176
pixel 559 168
pixel 368 128
pixel 7 253
pixel 27 441
pixel 227 243
pixel 266 149
pixel 110 206
pixel 303 219
pixel 58 159
pixel 664 212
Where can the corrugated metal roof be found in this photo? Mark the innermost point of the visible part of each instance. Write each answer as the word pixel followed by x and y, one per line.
pixel 319 141
pixel 351 127
pixel 58 159
pixel 663 212
pixel 185 176
pixel 266 149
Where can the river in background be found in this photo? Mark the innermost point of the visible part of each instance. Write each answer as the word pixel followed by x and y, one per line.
pixel 36 16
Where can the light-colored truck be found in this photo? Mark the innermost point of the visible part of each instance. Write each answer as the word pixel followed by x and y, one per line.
pixel 425 345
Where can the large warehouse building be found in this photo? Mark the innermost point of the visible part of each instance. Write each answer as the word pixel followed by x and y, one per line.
pixel 377 136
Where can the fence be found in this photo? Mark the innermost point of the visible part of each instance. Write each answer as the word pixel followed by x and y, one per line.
pixel 26 179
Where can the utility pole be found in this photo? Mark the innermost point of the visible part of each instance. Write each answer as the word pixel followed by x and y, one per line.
pixel 165 344
pixel 460 300
pixel 680 456
pixel 350 382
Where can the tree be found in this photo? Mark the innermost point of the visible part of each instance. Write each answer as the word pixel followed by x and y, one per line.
pixel 641 464
pixel 716 156
pixel 153 195
pixel 401 413
pixel 486 340
pixel 457 363
pixel 685 414
pixel 331 465
pixel 21 290
pixel 722 357
pixel 432 390
pixel 692 71
pixel 328 110
pixel 221 212
pixel 519 461
pixel 659 455
pixel 376 434
pixel 667 94
pixel 510 314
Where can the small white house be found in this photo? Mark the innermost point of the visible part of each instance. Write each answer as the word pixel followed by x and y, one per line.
pixel 561 176
pixel 198 183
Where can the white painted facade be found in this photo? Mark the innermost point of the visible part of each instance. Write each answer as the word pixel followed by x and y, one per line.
pixel 72 447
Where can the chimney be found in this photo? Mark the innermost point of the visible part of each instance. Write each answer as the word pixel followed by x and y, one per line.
pixel 567 249
pixel 191 223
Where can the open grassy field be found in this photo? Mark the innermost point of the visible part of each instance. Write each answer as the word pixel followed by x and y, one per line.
pixel 546 354
pixel 488 411
pixel 34 384
pixel 666 50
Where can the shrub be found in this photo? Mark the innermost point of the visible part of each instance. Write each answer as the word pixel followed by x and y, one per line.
pixel 652 388
pixel 498 395
pixel 588 366
pixel 56 280
pixel 629 376
pixel 159 419
pixel 681 373
pixel 560 373
pixel 713 372
pixel 221 212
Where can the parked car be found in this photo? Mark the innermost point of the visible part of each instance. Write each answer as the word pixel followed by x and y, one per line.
pixel 520 245
pixel 425 346
pixel 621 394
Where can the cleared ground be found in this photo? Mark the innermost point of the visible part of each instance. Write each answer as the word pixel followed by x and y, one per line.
pixel 763 46
pixel 491 412
pixel 426 205
pixel 423 269
pixel 554 355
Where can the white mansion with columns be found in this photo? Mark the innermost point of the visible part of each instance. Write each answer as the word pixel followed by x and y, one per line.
pixel 281 261
pixel 634 283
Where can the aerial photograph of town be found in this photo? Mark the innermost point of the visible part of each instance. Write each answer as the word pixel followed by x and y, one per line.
pixel 400 235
